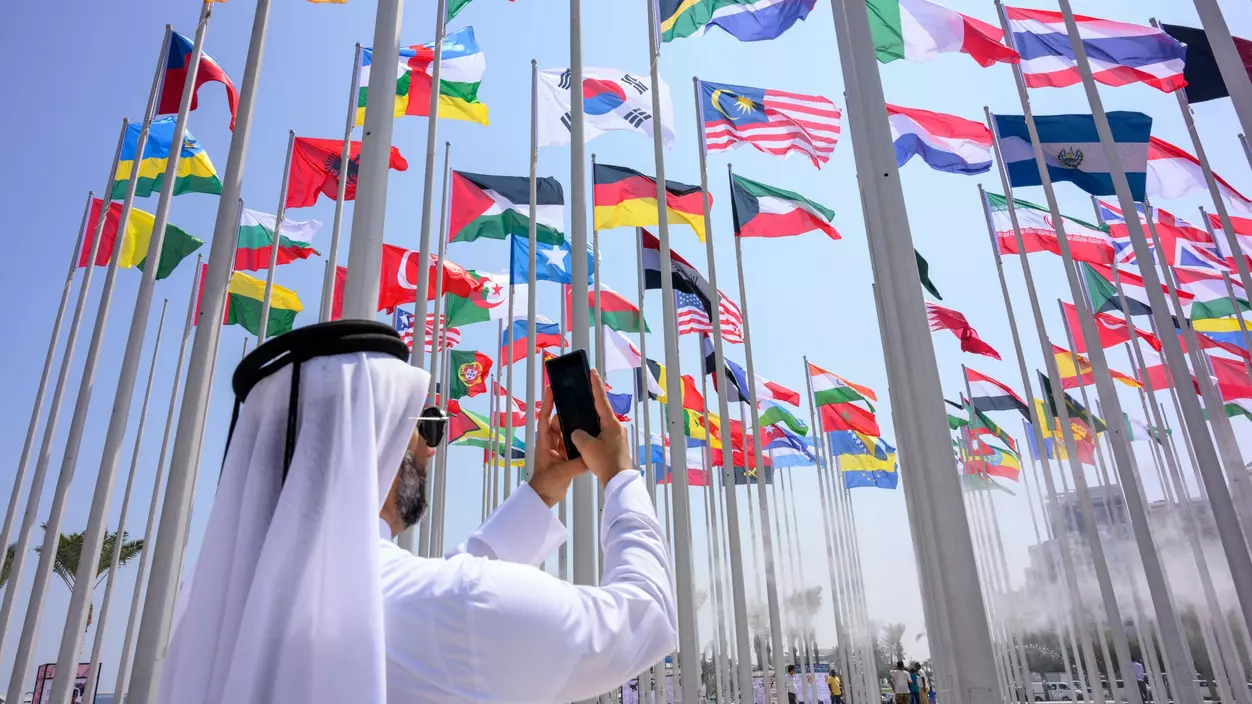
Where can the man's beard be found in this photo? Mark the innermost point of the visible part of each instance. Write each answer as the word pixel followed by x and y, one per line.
pixel 411 490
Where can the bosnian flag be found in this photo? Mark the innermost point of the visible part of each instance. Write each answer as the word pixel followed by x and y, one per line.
pixel 772 121
pixel 1120 53
pixel 945 142
pixel 1182 244
pixel 1173 173
pixel 991 395
pixel 919 30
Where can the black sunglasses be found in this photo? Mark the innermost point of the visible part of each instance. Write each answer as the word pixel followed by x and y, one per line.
pixel 431 425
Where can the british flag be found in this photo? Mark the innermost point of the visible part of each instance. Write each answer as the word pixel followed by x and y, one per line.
pixel 693 317
pixel 1182 243
pixel 772 121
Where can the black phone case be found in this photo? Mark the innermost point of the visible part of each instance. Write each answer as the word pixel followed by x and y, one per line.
pixel 586 419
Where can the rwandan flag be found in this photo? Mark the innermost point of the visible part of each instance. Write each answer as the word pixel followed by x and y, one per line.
pixel 195 172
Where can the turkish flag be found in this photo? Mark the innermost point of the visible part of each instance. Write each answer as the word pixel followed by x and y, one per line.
pixel 397 282
pixel 315 168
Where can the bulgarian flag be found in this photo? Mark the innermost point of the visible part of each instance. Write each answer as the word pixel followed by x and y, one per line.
pixel 617 313
pixel 461 69
pixel 244 300
pixel 498 206
pixel 830 389
pixel 918 30
pixel 765 211
pixel 256 240
pixel 176 246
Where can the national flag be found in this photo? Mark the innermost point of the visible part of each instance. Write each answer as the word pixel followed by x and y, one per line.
pixel 1072 150
pixel 1087 242
pixel 256 240
pixel 553 262
pixel 487 300
pixel 1243 236
pixel 1078 414
pixel 987 394
pixel 1204 78
pixel 469 371
pixel 461 69
pixel 745 20
pixel 1120 53
pixel 245 298
pixel 626 198
pixel 316 168
pixel 696 475
pixel 1232 378
pixel 862 466
pixel 176 246
pixel 750 474
pixel 738 391
pixel 873 479
pixel 195 172
pixel 336 296
pixel 979 482
pixel 984 426
pixel 1173 172
pixel 1104 296
pixel 846 443
pixel 507 405
pixel 848 416
pixel 498 206
pixel 1239 407
pixel 403 322
pixel 945 142
pixel 1137 430
pixel 772 121
pixel 398 278
pixel 1210 298
pixel 466 427
pixel 655 380
pixel 692 293
pixel 919 30
pixel 1224 333
pixel 1053 444
pixel 995 463
pixel 621 404
pixel 612 100
pixel 923 272
pixel 829 389
pixel 765 211
pixel 620 354
pixel 1113 330
pixel 692 398
pixel 177 64
pixel 1182 243
pixel 513 343
pixel 617 312
pixel 785 449
pixel 454 6
pixel 947 319
pixel 772 413
pixel 1155 371
pixel 1076 371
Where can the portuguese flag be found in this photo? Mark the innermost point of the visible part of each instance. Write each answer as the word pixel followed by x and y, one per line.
pixel 764 211
pixel 469 373
pixel 256 239
pixel 244 300
pixel 626 198
pixel 618 313
pixel 830 389
pixel 195 172
pixel 498 206
pixel 176 246
pixel 461 69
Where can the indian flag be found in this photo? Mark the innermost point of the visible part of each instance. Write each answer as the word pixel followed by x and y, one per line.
pixel 919 30
pixel 1212 300
pixel 256 240
pixel 461 72
pixel 829 389
pixel 244 300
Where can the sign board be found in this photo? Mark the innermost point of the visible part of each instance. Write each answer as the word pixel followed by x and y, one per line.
pixel 43 684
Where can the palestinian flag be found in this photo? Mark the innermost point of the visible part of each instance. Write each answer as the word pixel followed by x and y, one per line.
pixel 256 240
pixel 461 69
pixel 176 246
pixel 498 206
pixel 617 313
pixel 764 211
pixel 487 299
pixel 1103 292
pixel 773 412
pixel 316 168
pixel 1210 298
pixel 831 389
pixel 626 198
pixel 469 373
pixel 991 395
pixel 848 416
pixel 1087 242
pixel 195 172
pixel 244 300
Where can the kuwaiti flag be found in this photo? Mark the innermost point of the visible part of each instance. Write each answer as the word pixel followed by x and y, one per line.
pixel 1211 300
pixel 919 30
pixel 765 211
pixel 498 206
pixel 1087 243
pixel 829 389
pixel 987 394
pixel 1072 150
pixel 612 100
pixel 945 142
pixel 1173 173
pixel 1120 53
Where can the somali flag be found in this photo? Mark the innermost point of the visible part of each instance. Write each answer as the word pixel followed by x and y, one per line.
pixel 745 20
pixel 1072 150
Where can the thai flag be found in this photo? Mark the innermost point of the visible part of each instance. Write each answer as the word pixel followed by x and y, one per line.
pixel 772 121
pixel 1182 243
pixel 1119 53
pixel 945 142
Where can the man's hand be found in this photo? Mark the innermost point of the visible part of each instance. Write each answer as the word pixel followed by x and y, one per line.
pixel 553 469
pixel 609 454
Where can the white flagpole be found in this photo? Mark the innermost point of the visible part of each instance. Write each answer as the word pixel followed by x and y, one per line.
pixel 123 663
pixel 724 678
pixel 532 353
pixel 336 228
pixel 365 250
pixel 656 676
pixel 263 326
pixel 172 535
pixel 738 598
pixel 509 405
pixel 562 511
pixel 430 530
pixel 1229 64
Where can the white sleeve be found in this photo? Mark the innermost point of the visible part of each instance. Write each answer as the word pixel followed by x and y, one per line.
pixel 521 530
pixel 536 638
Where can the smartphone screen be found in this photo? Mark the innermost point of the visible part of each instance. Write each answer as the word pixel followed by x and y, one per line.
pixel 570 377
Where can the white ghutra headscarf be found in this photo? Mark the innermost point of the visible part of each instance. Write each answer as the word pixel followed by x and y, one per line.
pixel 285 603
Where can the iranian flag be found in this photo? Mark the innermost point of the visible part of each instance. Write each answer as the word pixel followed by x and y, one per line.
pixel 487 299
pixel 1087 242
pixel 498 206
pixel 919 30
pixel 831 388
pixel 1211 300
pixel 256 240
pixel 617 313
pixel 764 211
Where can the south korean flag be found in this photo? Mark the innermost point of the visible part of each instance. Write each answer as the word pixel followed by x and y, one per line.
pixel 612 100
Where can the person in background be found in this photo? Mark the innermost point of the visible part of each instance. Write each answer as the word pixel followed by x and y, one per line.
pixel 791 684
pixel 913 685
pixel 900 681
pixel 836 687
pixel 1139 679
pixel 923 686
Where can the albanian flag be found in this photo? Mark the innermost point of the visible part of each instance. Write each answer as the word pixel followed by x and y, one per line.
pixel 315 168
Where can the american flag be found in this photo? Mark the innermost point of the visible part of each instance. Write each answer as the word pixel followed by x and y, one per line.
pixel 772 121
pixel 404 326
pixel 692 317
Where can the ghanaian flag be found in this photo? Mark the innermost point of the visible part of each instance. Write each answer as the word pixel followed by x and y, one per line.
pixel 626 198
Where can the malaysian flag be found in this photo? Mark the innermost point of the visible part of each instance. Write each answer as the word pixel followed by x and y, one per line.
pixel 773 121
pixel 694 317
pixel 404 325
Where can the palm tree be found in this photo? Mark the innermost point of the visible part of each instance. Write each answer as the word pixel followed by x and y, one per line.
pixel 893 640
pixel 70 550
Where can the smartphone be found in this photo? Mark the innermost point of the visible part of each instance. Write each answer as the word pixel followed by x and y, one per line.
pixel 570 378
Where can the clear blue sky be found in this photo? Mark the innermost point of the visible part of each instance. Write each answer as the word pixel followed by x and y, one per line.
pixel 808 295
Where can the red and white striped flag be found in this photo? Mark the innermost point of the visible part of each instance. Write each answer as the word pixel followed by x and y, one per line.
pixel 452 335
pixel 692 317
pixel 772 121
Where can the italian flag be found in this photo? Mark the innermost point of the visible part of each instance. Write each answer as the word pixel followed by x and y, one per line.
pixel 256 240
pixel 1211 298
pixel 764 211
pixel 830 389
pixel 918 30
pixel 487 300
pixel 244 300
pixel 498 206
pixel 617 312
pixel 461 68
pixel 176 246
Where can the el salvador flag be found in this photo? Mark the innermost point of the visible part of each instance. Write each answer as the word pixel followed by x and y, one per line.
pixel 1071 148
pixel 552 261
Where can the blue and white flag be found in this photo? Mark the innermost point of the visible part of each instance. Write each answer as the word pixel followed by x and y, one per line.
pixel 553 263
pixel 790 450
pixel 1071 148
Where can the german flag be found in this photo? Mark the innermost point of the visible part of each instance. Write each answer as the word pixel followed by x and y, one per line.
pixel 626 198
